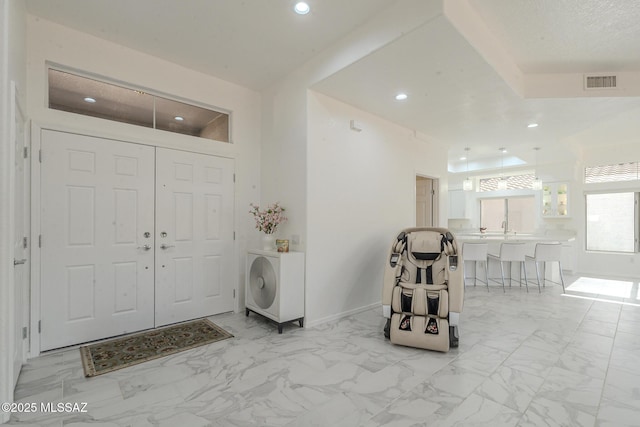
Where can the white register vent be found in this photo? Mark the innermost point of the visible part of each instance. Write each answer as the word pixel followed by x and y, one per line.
pixel 600 82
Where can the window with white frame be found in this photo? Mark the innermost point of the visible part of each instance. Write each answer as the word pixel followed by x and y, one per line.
pixel 612 221
pixel 511 214
pixel 612 216
pixel 619 172
pixel 514 182
pixel 78 94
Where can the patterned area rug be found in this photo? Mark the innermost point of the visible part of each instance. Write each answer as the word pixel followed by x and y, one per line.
pixel 129 350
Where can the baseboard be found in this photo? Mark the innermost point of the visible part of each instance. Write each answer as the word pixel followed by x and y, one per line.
pixel 311 324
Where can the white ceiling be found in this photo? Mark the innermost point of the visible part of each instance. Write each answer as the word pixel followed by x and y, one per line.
pixel 250 42
pixel 545 36
pixel 455 96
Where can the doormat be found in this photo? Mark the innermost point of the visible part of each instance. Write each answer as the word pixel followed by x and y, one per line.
pixel 118 353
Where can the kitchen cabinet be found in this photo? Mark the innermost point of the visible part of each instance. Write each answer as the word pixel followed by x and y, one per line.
pixel 555 200
pixel 457 204
pixel 568 257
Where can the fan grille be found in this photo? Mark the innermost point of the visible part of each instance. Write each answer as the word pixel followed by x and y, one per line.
pixel 262 282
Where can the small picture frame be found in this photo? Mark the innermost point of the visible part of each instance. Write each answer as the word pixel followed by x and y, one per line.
pixel 282 245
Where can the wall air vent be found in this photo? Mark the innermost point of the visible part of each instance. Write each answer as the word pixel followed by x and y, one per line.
pixel 600 82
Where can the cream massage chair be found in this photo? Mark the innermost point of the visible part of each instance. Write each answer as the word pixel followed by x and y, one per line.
pixel 423 289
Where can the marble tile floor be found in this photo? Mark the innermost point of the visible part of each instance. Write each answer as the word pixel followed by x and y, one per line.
pixel 525 359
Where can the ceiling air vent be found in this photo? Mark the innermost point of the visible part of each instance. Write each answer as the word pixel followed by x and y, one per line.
pixel 600 82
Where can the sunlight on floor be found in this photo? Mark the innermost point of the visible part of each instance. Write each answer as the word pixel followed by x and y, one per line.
pixel 613 288
pixel 606 290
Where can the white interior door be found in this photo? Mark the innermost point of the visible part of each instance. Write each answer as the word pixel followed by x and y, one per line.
pixel 97 201
pixel 20 270
pixel 194 235
pixel 424 202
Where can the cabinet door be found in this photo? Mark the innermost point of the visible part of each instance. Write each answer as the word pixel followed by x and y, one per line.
pixel 457 204
pixel 562 200
pixel 555 200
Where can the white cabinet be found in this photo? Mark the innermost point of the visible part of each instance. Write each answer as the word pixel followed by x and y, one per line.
pixel 555 200
pixel 457 204
pixel 274 286
pixel 568 257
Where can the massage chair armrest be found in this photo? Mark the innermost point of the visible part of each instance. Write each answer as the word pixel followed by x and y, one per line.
pixel 456 286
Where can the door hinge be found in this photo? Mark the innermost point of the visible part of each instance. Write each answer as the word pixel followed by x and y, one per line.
pixel 24 333
pixel 25 152
pixel 40 156
pixel 234 177
pixel 234 293
pixel 39 326
pixel 234 235
pixel 24 243
pixel 40 240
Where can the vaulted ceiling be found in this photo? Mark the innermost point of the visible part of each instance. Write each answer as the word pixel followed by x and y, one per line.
pixel 475 76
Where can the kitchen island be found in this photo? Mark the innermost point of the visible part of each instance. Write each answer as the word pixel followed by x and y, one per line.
pixel 494 240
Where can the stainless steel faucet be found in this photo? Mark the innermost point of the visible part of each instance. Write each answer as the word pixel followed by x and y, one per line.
pixel 505 226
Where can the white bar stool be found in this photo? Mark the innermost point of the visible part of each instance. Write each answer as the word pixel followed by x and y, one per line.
pixel 547 252
pixel 511 252
pixel 476 252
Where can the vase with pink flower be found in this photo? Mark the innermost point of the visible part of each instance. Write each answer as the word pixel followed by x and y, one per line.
pixel 267 221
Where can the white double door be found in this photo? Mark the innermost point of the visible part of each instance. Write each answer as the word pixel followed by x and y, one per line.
pixel 133 237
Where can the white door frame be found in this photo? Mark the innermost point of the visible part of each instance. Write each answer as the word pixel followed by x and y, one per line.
pixel 36 143
pixel 18 116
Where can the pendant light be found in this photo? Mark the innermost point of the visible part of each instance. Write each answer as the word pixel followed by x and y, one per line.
pixel 502 184
pixel 467 184
pixel 537 182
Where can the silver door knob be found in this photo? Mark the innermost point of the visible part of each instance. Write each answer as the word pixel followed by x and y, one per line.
pixel 165 246
pixel 19 261
pixel 145 247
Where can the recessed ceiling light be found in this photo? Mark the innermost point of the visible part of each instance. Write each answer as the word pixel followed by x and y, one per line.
pixel 463 158
pixel 301 8
pixel 401 96
pixel 178 118
pixel 532 125
pixel 89 100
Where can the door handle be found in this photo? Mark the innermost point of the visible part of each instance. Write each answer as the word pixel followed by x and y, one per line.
pixel 19 261
pixel 165 246
pixel 145 247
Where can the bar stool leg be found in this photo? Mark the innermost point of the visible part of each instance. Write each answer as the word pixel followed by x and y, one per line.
pixel 486 274
pixel 537 274
pixel 526 282
pixel 502 273
pixel 510 273
pixel 475 273
pixel 561 278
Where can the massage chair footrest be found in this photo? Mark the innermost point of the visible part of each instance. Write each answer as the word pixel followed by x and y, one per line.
pixel 430 333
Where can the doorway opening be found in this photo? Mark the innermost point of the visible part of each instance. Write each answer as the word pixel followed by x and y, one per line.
pixel 426 201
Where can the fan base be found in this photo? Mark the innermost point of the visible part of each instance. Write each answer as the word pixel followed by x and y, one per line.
pixel 299 320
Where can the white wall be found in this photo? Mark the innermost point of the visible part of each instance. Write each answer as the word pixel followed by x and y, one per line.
pixel 6 301
pixel 12 68
pixel 61 45
pixel 360 193
pixel 288 139
pixel 285 115
pixel 614 141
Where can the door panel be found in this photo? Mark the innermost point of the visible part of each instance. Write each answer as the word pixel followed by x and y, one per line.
pixel 194 235
pixel 424 202
pixel 97 199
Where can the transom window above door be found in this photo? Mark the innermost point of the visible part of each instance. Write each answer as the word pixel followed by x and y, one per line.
pixel 92 97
